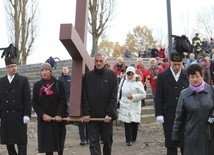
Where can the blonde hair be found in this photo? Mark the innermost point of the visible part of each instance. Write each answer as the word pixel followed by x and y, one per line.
pixel 120 59
pixel 140 60
pixel 153 59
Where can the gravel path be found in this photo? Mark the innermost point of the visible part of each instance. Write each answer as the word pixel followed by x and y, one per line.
pixel 149 141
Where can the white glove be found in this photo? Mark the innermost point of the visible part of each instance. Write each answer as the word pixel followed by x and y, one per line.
pixel 160 119
pixel 211 119
pixel 26 119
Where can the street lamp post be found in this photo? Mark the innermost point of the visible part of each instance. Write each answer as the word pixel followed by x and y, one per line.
pixel 169 20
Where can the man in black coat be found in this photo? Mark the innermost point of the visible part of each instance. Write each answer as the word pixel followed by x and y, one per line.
pixel 15 105
pixel 66 79
pixel 100 101
pixel 169 85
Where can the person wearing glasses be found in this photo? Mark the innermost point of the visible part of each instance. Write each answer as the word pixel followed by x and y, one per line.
pixel 100 101
pixel 15 105
pixel 130 103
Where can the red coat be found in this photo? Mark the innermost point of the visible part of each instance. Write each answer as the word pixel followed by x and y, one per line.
pixel 143 72
pixel 161 53
pixel 165 66
pixel 153 76
pixel 117 69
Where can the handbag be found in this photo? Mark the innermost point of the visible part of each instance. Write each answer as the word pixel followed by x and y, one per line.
pixel 120 94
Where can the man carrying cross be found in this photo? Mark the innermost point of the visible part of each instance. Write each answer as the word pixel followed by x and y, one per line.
pixel 99 87
pixel 99 101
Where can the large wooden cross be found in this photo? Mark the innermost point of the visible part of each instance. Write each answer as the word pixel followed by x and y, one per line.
pixel 74 40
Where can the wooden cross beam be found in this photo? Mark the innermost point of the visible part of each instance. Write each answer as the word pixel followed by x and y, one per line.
pixel 74 40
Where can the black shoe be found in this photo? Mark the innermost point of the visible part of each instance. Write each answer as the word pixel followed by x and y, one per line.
pixel 129 144
pixel 82 143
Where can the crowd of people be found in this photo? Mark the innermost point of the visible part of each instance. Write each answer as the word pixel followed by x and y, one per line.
pixel 181 86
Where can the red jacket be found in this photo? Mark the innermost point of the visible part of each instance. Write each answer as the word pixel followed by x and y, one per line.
pixel 153 72
pixel 117 69
pixel 161 53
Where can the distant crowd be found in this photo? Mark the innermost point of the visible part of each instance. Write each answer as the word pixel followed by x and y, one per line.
pixel 202 52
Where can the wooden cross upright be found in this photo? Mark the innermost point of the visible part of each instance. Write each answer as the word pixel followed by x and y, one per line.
pixel 74 40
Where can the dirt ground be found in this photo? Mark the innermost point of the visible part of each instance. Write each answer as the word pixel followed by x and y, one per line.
pixel 149 141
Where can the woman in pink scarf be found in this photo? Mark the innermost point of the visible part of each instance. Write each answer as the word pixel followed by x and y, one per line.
pixel 49 103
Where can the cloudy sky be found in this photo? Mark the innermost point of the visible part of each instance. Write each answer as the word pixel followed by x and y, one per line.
pixel 129 14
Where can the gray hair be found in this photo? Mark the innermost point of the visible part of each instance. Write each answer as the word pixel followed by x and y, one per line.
pixel 152 59
pixel 101 54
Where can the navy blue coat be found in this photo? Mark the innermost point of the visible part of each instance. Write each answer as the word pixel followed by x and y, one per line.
pixel 66 79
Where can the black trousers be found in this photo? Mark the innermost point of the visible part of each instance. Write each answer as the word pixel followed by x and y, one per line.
pixel 106 130
pixel 83 131
pixel 22 149
pixel 131 131
pixel 173 151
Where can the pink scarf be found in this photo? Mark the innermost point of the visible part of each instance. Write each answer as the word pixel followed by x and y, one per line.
pixel 198 88
pixel 47 90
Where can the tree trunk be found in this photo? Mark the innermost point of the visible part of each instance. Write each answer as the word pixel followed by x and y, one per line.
pixel 94 46
pixel 22 15
pixel 24 60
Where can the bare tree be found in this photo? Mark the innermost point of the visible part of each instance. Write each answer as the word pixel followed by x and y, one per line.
pixel 205 21
pixel 186 23
pixel 100 13
pixel 159 36
pixel 22 25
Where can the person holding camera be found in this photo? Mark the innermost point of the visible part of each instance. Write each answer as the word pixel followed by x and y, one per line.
pixel 194 107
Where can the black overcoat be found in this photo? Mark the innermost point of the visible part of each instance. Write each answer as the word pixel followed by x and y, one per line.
pixel 15 103
pixel 100 94
pixel 51 135
pixel 167 95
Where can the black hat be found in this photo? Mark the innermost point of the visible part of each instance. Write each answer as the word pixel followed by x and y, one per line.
pixel 176 57
pixel 10 54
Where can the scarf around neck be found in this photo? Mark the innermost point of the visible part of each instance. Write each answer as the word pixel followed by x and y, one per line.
pixel 47 89
pixel 198 88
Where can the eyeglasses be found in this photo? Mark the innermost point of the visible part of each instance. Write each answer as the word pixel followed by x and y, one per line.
pixel 130 73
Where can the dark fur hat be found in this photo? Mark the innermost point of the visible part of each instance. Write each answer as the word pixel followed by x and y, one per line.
pixel 10 54
pixel 181 44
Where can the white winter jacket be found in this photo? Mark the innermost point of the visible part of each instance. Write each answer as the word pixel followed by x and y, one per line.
pixel 130 110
